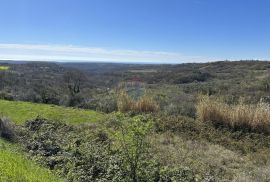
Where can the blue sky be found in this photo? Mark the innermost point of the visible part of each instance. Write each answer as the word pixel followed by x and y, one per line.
pixel 135 30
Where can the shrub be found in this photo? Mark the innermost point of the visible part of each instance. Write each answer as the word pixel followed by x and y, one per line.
pixel 174 123
pixel 197 76
pixel 75 100
pixel 107 104
pixel 6 129
pixel 240 116
pixel 133 145
pixel 265 84
pixel 182 108
pixel 6 96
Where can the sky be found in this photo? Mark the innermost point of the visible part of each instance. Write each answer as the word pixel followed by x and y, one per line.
pixel 156 31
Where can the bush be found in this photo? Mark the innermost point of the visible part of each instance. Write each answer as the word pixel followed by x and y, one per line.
pixel 173 123
pixel 183 108
pixel 133 146
pixel 241 116
pixel 107 105
pixel 6 129
pixel 197 76
pixel 6 96
pixel 265 84
pixel 75 100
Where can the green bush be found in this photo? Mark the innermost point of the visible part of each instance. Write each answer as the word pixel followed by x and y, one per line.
pixel 7 129
pixel 265 84
pixel 6 96
pixel 132 139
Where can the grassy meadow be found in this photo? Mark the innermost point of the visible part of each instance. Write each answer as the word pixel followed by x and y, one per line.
pixel 19 112
pixel 4 68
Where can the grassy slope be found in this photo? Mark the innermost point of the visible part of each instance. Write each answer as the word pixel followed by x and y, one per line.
pixel 3 68
pixel 15 167
pixel 19 112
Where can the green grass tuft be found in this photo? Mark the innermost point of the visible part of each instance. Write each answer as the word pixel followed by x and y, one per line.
pixel 19 112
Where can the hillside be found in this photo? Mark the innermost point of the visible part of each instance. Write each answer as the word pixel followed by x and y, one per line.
pixel 190 122
pixel 20 112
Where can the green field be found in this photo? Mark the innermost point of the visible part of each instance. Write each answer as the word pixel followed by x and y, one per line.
pixel 19 112
pixel 3 68
pixel 15 167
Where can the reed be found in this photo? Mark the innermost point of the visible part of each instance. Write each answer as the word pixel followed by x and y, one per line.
pixel 145 104
pixel 240 116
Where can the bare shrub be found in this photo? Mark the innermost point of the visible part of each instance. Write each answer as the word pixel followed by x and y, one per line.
pixel 7 129
pixel 241 116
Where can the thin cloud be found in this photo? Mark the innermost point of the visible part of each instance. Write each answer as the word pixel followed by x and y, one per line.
pixel 31 52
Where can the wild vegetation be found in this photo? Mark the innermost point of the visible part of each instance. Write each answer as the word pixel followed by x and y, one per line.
pixel 241 116
pixel 121 122
pixel 144 104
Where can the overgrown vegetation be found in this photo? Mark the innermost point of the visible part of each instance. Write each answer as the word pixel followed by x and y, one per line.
pixel 156 128
pixel 144 104
pixel 241 116
pixel 173 87
pixel 115 150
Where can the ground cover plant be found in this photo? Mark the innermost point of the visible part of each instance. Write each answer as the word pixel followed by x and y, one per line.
pixel 19 112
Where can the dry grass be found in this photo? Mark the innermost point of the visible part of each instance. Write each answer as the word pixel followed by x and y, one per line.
pixel 124 102
pixel 145 104
pixel 240 116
